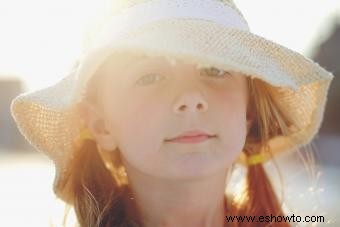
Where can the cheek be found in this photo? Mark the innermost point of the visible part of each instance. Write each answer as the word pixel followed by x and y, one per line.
pixel 233 124
pixel 140 133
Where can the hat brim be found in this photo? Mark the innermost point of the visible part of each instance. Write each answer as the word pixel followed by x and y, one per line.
pixel 47 117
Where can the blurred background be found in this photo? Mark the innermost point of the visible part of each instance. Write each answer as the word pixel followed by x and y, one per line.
pixel 40 39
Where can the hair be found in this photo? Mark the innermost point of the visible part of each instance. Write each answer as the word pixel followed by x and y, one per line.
pixel 98 185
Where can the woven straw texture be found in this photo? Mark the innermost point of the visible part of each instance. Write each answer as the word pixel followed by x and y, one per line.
pixel 48 118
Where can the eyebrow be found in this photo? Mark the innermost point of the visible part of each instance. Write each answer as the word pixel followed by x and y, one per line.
pixel 144 59
pixel 134 59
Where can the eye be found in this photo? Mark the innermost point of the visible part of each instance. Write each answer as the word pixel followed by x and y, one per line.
pixel 215 72
pixel 149 78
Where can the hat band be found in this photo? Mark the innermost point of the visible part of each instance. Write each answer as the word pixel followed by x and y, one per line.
pixel 152 11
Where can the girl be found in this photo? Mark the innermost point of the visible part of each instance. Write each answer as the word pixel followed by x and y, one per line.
pixel 167 97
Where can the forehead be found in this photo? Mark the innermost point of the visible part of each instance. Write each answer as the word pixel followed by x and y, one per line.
pixel 123 60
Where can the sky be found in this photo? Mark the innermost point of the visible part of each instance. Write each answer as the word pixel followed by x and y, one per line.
pixel 40 39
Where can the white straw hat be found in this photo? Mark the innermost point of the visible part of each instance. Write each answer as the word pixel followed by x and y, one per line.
pixel 206 32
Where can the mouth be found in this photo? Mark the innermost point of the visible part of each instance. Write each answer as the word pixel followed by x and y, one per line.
pixel 194 136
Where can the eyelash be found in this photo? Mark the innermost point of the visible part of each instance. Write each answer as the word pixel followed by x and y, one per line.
pixel 146 76
pixel 206 70
pixel 219 70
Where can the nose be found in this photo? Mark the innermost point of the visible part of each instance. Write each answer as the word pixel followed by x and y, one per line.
pixel 190 101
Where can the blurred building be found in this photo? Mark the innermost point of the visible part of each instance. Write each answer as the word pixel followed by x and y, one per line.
pixel 10 137
pixel 327 54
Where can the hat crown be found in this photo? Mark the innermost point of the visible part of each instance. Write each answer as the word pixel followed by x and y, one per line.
pixel 124 4
pixel 119 7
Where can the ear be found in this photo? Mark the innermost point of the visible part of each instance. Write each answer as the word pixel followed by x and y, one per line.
pixel 95 122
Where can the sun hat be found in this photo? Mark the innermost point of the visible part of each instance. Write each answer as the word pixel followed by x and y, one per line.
pixel 209 33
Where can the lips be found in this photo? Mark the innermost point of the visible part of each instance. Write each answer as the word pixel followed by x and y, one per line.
pixel 192 135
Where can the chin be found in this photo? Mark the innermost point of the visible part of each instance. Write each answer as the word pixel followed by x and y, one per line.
pixel 192 170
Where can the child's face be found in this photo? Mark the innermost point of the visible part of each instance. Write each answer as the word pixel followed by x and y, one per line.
pixel 145 101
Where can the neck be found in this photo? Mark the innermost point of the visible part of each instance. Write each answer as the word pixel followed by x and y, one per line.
pixel 166 203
